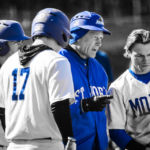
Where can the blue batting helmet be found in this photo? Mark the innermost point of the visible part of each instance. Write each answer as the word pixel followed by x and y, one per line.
pixel 53 23
pixel 88 20
pixel 10 30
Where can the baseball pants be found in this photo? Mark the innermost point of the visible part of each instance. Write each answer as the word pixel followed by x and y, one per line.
pixel 36 145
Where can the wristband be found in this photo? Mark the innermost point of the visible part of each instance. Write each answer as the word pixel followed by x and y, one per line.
pixel 71 139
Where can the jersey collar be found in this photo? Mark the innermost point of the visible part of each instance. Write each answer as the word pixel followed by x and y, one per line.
pixel 145 78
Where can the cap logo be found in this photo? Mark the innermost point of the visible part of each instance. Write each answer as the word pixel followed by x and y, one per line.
pixel 100 21
pixel 76 23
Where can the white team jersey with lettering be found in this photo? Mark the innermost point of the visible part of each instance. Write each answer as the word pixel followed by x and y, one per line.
pixel 27 93
pixel 130 107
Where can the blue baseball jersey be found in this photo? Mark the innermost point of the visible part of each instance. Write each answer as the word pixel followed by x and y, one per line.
pixel 89 79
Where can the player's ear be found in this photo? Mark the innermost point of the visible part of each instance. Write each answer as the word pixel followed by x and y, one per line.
pixel 4 48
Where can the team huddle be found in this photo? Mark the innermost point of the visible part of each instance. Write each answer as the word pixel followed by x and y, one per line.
pixel 55 95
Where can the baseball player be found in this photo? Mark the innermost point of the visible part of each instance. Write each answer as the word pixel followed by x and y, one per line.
pixel 90 81
pixel 129 111
pixel 11 33
pixel 37 88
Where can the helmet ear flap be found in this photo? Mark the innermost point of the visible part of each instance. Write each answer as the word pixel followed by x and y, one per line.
pixel 4 48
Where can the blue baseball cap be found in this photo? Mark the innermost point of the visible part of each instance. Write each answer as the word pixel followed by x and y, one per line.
pixel 88 20
pixel 11 30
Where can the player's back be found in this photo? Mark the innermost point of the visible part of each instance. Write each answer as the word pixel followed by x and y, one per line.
pixel 27 95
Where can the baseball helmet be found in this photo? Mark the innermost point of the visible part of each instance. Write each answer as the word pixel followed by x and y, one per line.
pixel 53 23
pixel 88 20
pixel 10 30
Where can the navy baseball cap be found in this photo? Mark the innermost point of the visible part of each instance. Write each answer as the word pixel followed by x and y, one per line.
pixel 11 30
pixel 88 20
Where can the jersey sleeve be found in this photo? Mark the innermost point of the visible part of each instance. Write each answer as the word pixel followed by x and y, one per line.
pixel 120 137
pixel 60 82
pixel 116 110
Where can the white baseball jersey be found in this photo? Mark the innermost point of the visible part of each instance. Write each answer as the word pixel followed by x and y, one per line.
pixel 130 107
pixel 2 136
pixel 27 93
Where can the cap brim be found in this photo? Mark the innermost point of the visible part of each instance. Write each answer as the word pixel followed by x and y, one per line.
pixel 2 40
pixel 106 31
pixel 94 28
pixel 23 38
pixel 27 37
pixel 19 39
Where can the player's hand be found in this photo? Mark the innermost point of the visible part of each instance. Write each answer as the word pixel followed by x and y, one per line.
pixel 71 144
pixel 96 103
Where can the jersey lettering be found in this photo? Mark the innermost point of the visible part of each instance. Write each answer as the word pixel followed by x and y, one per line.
pixel 95 91
pixel 80 92
pixel 140 106
pixel 15 73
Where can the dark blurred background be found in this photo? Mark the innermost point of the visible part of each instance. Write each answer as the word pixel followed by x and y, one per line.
pixel 120 16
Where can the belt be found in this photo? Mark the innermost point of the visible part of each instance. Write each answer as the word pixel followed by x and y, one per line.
pixel 38 139
pixel 41 139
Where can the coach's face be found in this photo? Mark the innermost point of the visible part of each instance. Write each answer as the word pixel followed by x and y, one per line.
pixel 140 58
pixel 89 44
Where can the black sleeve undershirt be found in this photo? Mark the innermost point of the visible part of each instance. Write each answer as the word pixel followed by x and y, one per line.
pixel 2 117
pixel 61 112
